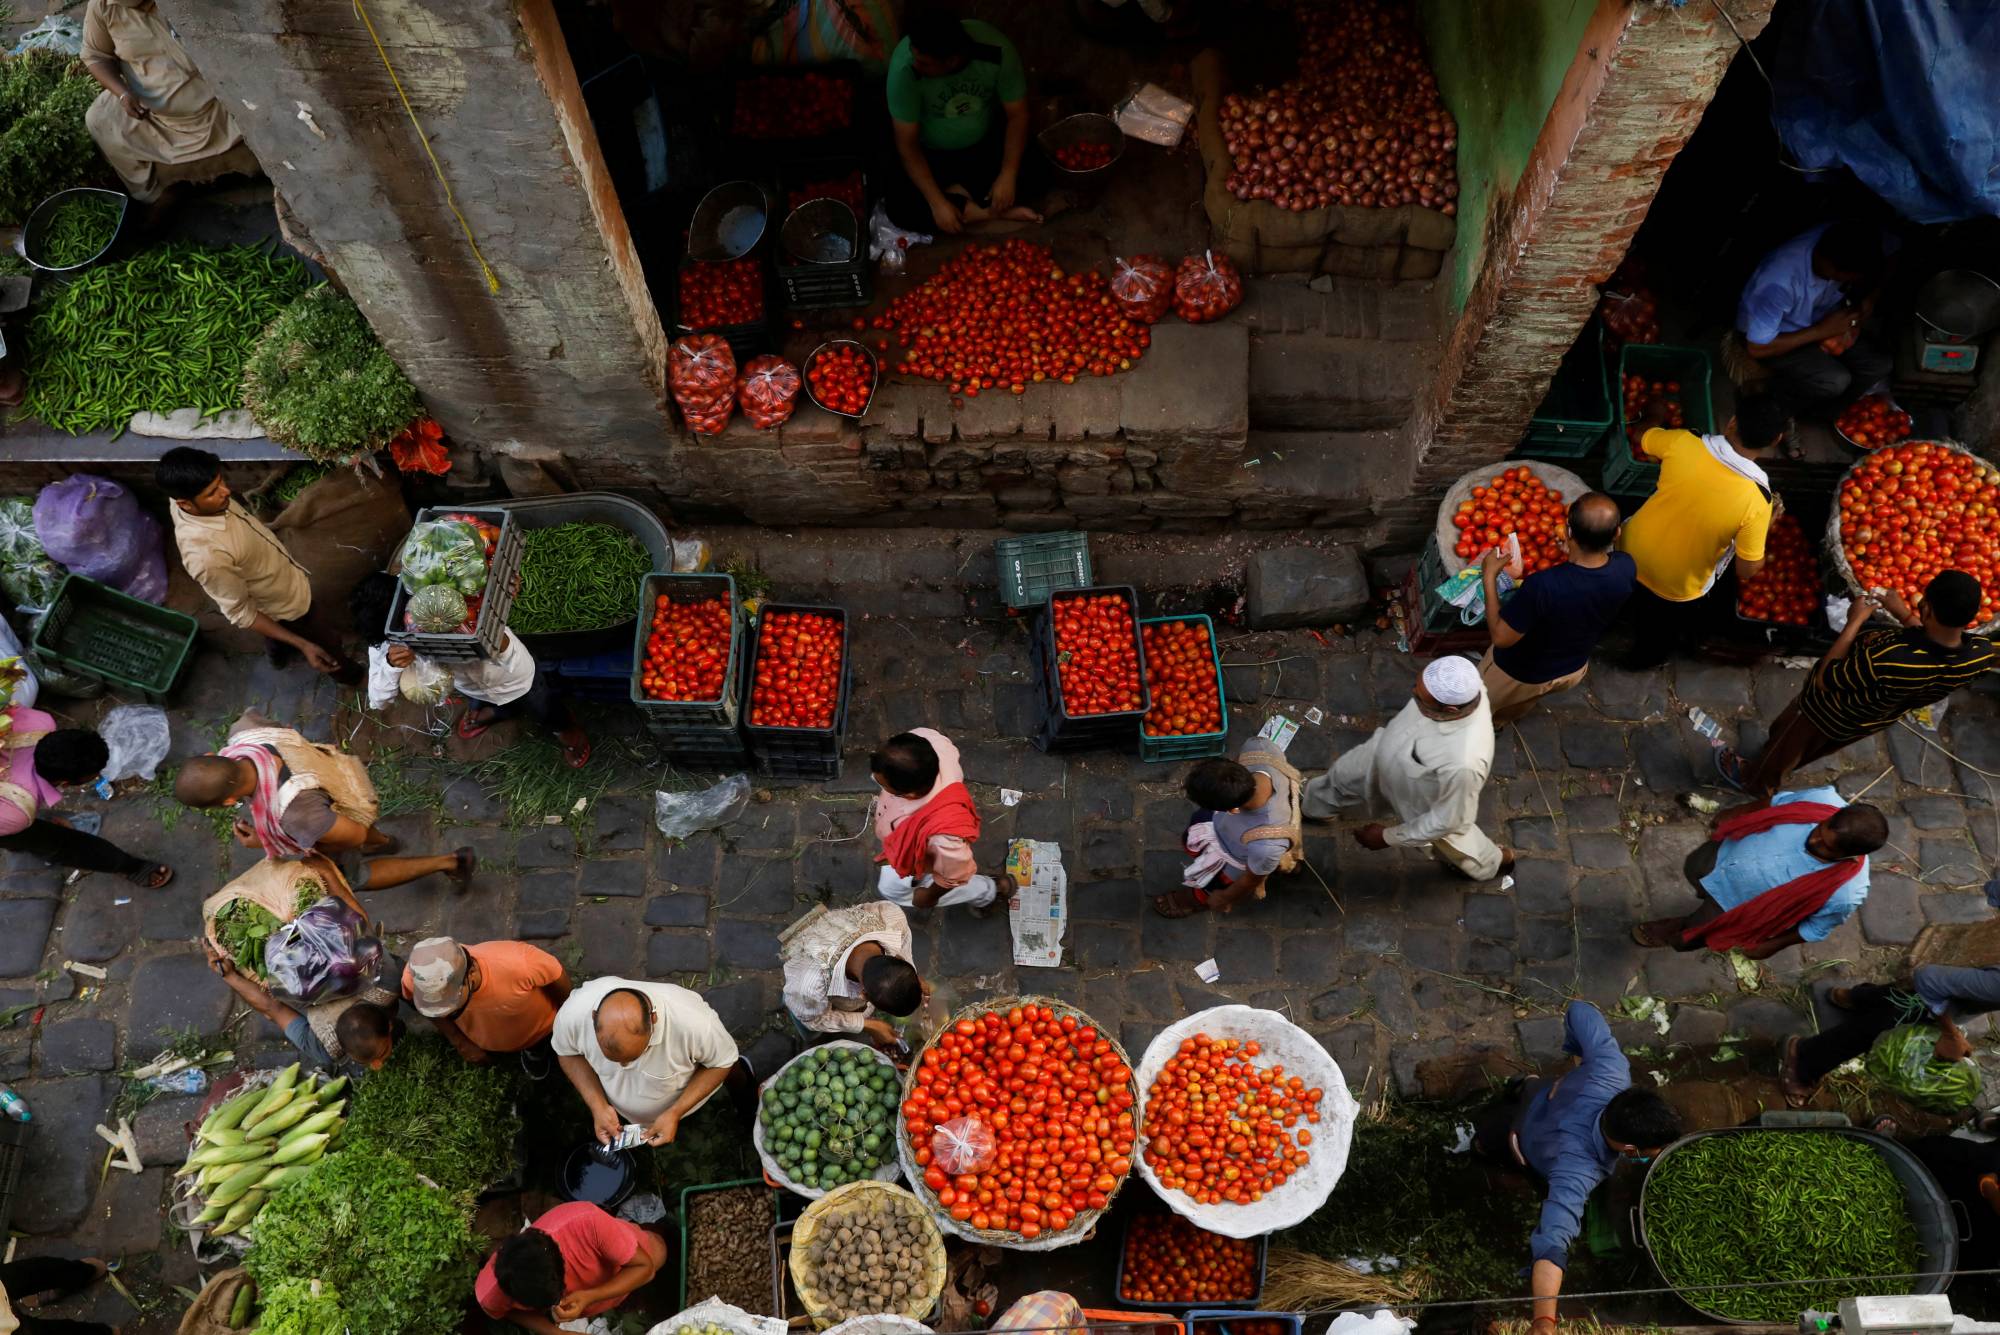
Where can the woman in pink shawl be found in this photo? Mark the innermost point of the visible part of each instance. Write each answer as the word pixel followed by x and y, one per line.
pixel 42 759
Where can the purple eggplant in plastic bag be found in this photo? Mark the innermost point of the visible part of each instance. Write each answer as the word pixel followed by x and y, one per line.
pixel 321 954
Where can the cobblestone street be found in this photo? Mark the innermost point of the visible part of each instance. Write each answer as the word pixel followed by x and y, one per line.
pixel 1405 972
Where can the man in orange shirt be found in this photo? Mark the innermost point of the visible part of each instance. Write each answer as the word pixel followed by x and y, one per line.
pixel 498 996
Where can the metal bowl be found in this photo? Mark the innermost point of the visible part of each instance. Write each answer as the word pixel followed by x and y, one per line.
pixel 1958 305
pixel 38 225
pixel 729 222
pixel 1086 127
pixel 1859 448
pixel 821 231
pixel 874 384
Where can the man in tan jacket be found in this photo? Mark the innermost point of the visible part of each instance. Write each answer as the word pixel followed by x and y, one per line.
pixel 242 566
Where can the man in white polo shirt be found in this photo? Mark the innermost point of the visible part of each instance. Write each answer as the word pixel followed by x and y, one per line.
pixel 646 1053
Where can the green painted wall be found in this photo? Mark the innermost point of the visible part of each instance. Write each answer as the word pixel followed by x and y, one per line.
pixel 1499 64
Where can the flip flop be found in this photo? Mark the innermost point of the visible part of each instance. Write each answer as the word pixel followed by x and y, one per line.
pixel 470 727
pixel 1168 906
pixel 576 754
pixel 1729 768
pixel 156 877
pixel 1797 1095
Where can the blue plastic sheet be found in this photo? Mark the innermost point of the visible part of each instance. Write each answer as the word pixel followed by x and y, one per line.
pixel 1901 93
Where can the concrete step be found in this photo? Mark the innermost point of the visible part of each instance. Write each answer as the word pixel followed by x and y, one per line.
pixel 1341 308
pixel 1313 382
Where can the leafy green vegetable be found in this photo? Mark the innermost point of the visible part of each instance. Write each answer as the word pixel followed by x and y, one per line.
pixel 320 383
pixel 453 1120
pixel 44 144
pixel 1904 1061
pixel 302 1307
pixel 243 927
pixel 401 1254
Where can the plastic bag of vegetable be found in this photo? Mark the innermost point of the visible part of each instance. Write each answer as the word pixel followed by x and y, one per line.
pixel 446 552
pixel 424 683
pixel 1904 1061
pixel 321 954
pixel 27 576
pixel 963 1145
pixel 96 528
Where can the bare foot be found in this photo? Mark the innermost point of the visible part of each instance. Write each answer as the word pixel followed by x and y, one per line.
pixel 1020 213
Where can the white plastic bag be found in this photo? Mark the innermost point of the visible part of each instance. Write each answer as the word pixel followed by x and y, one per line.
pixel 888 243
pixel 680 815
pixel 424 683
pixel 712 1311
pixel 138 737
pixel 1381 1321
pixel 1151 113
pixel 383 679
pixel 690 555
pixel 642 1208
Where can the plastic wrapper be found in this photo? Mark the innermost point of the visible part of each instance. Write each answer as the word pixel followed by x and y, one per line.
pixel 1904 1061
pixel 888 244
pixel 27 575
pixel 321 954
pixel 682 814
pixel 384 680
pixel 436 609
pixel 96 528
pixel 701 374
pixel 138 738
pixel 1206 287
pixel 424 683
pixel 768 391
pixel 963 1145
pixel 445 552
pixel 1143 287
pixel 1151 113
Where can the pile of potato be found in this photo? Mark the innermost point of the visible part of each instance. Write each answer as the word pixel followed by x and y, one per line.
pixel 869 1257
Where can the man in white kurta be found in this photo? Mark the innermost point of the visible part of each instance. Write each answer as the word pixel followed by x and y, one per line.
pixel 642 1052
pixel 833 982
pixel 1427 767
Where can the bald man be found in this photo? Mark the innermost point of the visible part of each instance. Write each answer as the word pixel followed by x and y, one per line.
pixel 646 1053
pixel 1544 635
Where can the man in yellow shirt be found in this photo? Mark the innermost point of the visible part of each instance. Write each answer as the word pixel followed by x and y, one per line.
pixel 1713 503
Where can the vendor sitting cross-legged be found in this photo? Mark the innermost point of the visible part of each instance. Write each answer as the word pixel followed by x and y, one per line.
pixel 962 163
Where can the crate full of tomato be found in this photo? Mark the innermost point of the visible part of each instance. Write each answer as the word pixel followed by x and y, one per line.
pixel 796 712
pixel 1089 665
pixel 1787 589
pixel 1173 1265
pixel 687 654
pixel 1188 717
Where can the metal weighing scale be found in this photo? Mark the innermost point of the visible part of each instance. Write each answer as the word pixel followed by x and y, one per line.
pixel 1939 357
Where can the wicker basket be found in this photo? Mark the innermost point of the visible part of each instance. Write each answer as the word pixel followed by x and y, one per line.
pixel 1085 1222
pixel 1838 556
pixel 881 1194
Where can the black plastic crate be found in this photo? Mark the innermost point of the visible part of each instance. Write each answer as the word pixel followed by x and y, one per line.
pixel 484 642
pixel 1260 1244
pixel 782 752
pixel 696 748
pixel 1061 729
pixel 698 715
pixel 847 139
pixel 14 1137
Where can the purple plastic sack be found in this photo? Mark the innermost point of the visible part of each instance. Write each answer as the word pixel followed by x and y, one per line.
pixel 321 954
pixel 95 527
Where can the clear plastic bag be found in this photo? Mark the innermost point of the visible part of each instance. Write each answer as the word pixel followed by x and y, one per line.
pixel 138 738
pixel 321 954
pixel 1206 287
pixel 1143 287
pixel 17 673
pixel 888 244
pixel 682 814
pixel 444 552
pixel 1904 1061
pixel 27 575
pixel 701 373
pixel 96 528
pixel 963 1145
pixel 768 392
pixel 424 683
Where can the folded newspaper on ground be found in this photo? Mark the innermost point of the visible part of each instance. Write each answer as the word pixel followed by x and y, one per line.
pixel 1038 913
pixel 1279 731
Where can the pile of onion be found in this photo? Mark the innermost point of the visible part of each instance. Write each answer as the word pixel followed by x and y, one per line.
pixel 1360 124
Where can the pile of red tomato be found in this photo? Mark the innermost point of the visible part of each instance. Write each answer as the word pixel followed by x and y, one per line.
pixel 1180 676
pixel 687 650
pixel 1908 511
pixel 798 670
pixel 1787 588
pixel 1515 501
pixel 1169 1260
pixel 1084 157
pixel 714 295
pixel 849 190
pixel 1221 1128
pixel 1639 392
pixel 1006 316
pixel 1097 654
pixel 791 107
pixel 842 379
pixel 1057 1098
pixel 1206 287
pixel 1874 420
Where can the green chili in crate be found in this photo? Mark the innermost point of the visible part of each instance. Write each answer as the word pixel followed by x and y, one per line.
pixel 578 577
pixel 79 230
pixel 1761 1207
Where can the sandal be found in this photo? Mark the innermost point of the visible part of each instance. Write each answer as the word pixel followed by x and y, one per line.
pixel 1885 1125
pixel 1643 934
pixel 1729 768
pixel 576 749
pixel 468 863
pixel 1842 997
pixel 1797 1095
pixel 1179 903
pixel 156 877
pixel 470 725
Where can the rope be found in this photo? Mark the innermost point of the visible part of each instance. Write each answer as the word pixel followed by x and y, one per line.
pixel 451 200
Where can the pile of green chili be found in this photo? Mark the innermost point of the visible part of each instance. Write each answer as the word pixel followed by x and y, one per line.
pixel 578 577
pixel 169 328
pixel 78 230
pixel 1761 1207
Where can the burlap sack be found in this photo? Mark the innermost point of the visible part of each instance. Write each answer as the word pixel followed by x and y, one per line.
pixel 346 525
pixel 209 1313
pixel 274 887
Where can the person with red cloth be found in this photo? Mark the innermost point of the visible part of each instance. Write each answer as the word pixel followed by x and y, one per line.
pixel 1787 869
pixel 926 821
pixel 575 1261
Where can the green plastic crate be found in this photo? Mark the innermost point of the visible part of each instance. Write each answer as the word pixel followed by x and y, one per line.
pixel 122 641
pixel 1624 475
pixel 1576 414
pixel 1036 565
pixel 1197 746
pixel 714 1186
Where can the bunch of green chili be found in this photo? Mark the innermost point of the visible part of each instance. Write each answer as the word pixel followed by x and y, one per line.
pixel 578 577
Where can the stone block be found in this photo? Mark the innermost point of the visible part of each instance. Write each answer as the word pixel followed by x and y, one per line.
pixel 161 1129
pixel 1951 908
pixel 96 928
pixel 58 1178
pixel 669 953
pixel 1599 851
pixel 1594 745
pixel 1541 1039
pixel 1306 586
pixel 1687 973
pixel 677 910
pixel 76 1047
pixel 1193 385
pixel 1891 915
pixel 1928 812
pixel 1532 834
pixel 24 931
pixel 1490 916
pixel 168 994
pixel 1542 885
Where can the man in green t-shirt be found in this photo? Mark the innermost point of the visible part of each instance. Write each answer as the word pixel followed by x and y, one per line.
pixel 962 163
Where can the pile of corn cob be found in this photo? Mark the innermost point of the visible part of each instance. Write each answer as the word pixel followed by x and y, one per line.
pixel 259 1139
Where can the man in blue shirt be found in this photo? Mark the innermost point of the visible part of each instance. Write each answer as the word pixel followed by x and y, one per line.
pixel 1804 292
pixel 1571 1132
pixel 1732 873
pixel 1543 637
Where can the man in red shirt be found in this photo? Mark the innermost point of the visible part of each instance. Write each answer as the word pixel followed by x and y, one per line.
pixel 575 1261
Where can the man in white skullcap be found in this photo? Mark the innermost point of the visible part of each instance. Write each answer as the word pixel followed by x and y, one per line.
pixel 1426 765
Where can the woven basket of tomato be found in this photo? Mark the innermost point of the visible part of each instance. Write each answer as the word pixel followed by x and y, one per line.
pixel 1523 496
pixel 1908 511
pixel 1170 1264
pixel 1019 1120
pixel 1268 1152
pixel 1786 591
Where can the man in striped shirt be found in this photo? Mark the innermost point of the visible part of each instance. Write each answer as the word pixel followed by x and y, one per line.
pixel 1871 678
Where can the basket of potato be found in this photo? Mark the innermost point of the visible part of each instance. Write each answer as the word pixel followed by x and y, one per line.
pixel 867 1249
